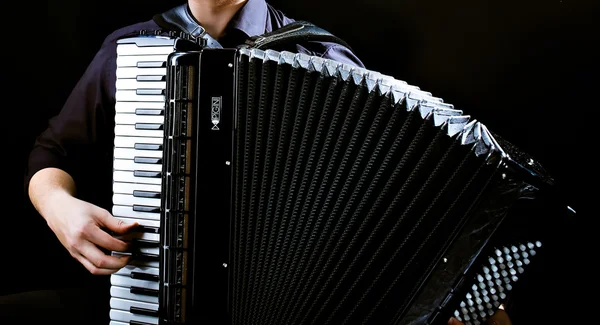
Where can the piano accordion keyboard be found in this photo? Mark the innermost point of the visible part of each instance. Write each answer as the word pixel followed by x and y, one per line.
pixel 137 174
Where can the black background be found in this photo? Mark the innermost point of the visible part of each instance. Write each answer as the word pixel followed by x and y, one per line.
pixel 526 69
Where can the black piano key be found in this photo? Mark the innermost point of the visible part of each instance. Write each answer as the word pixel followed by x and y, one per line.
pixel 137 322
pixel 148 194
pixel 144 173
pixel 148 229
pixel 145 208
pixel 147 160
pixel 143 291
pixel 148 126
pixel 149 111
pixel 149 91
pixel 145 257
pixel 138 242
pixel 144 276
pixel 143 311
pixel 147 146
pixel 151 64
pixel 151 78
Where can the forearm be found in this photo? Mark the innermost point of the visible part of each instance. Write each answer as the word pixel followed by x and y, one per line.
pixel 46 185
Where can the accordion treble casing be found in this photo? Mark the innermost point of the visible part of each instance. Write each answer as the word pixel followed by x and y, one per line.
pixel 299 190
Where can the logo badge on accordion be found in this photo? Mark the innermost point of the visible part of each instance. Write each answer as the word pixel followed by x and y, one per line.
pixel 215 112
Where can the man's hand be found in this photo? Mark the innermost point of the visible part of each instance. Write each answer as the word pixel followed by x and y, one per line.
pixel 79 225
pixel 80 228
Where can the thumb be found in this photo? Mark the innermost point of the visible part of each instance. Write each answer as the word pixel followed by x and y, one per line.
pixel 105 219
pixel 454 321
pixel 500 317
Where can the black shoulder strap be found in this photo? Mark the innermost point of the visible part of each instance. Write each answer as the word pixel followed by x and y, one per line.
pixel 181 19
pixel 294 33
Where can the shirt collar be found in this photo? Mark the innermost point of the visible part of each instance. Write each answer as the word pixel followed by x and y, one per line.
pixel 251 18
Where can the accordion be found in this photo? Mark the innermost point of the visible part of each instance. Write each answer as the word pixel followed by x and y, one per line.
pixel 275 187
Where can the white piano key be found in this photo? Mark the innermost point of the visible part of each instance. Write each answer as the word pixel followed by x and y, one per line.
pixel 132 96
pixel 131 118
pixel 127 211
pixel 112 322
pixel 125 199
pixel 144 250
pixel 138 262
pixel 125 316
pixel 149 250
pixel 127 282
pixel 129 142
pixel 130 107
pixel 141 235
pixel 128 188
pixel 133 49
pixel 143 222
pixel 130 130
pixel 129 164
pixel 128 176
pixel 132 60
pixel 126 84
pixel 146 236
pixel 125 304
pixel 126 271
pixel 133 72
pixel 125 153
pixel 122 292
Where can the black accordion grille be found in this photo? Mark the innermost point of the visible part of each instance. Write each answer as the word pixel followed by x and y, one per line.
pixel 177 188
pixel 346 190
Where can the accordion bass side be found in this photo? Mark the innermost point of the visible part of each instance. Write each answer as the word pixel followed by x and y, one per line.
pixel 281 188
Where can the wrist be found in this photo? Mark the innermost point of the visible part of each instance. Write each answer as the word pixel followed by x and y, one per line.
pixel 50 188
pixel 52 200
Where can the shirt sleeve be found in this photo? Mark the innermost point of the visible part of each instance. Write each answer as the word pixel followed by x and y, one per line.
pixel 74 136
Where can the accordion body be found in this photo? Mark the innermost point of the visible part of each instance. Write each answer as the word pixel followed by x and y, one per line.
pixel 281 188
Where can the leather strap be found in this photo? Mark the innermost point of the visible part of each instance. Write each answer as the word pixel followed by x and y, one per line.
pixel 294 33
pixel 180 18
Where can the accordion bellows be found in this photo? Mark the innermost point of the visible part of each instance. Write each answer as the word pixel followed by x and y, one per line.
pixel 346 191
pixel 299 190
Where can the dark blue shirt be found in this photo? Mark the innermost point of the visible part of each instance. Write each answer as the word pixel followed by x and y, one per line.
pixel 79 140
